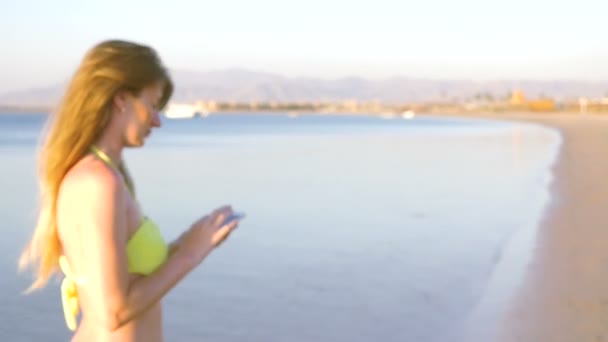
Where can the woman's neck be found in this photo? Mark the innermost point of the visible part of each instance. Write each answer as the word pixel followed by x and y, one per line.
pixel 111 146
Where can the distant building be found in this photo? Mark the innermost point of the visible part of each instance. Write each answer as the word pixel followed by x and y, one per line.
pixel 517 97
pixel 542 105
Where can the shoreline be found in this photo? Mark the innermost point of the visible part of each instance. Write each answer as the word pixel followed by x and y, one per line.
pixel 564 291
pixel 565 296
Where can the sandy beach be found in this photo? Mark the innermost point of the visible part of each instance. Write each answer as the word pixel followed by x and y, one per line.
pixel 565 292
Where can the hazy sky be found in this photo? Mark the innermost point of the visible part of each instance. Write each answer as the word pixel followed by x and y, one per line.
pixel 42 41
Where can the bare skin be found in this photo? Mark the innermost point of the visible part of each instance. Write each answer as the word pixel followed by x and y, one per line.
pixel 96 217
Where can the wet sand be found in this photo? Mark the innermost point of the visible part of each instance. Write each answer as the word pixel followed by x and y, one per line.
pixel 564 296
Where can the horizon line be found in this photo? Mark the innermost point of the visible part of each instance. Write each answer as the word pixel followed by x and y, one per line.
pixel 396 76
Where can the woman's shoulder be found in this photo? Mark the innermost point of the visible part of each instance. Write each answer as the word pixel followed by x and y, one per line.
pixel 90 175
pixel 88 191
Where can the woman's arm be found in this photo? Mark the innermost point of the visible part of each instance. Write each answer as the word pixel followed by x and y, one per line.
pixel 146 291
pixel 116 300
pixel 174 245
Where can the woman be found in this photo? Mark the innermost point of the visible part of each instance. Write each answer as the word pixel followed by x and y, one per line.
pixel 117 267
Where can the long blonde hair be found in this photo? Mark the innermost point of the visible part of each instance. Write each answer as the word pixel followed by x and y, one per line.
pixel 83 114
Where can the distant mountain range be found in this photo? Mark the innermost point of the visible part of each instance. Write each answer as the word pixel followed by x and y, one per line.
pixel 240 85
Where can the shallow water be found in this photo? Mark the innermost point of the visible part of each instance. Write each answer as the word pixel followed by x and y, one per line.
pixel 357 228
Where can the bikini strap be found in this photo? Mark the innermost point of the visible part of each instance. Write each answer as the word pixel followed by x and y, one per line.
pixel 103 156
pixel 106 159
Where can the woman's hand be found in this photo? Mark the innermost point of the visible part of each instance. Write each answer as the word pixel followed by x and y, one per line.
pixel 207 233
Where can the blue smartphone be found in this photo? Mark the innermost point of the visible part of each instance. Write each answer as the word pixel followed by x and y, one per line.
pixel 234 216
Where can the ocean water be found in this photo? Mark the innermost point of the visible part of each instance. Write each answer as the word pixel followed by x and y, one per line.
pixel 357 229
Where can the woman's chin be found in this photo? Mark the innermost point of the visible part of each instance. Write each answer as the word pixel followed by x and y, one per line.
pixel 136 143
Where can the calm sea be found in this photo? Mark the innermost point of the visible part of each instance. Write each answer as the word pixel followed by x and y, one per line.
pixel 357 228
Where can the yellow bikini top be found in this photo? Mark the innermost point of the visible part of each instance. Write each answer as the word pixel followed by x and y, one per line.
pixel 146 251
